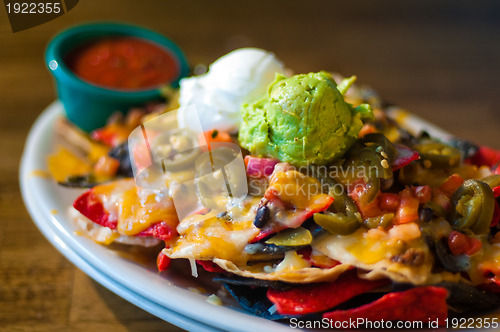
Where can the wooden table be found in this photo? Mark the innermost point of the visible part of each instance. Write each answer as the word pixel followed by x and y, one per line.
pixel 438 59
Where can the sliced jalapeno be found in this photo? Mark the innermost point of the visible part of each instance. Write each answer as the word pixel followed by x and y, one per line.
pixel 211 178
pixel 371 191
pixel 473 205
pixel 386 146
pixel 292 237
pixel 438 154
pixel 383 221
pixel 337 223
pixel 341 203
pixel 177 149
pixel 343 219
pixel 377 165
pixel 437 209
pixel 492 180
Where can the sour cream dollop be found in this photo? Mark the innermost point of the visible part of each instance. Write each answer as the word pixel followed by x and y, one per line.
pixel 239 77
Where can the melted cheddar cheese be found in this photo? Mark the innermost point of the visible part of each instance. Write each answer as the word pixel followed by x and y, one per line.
pixel 135 209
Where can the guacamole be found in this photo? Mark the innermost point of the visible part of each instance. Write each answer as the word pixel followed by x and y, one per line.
pixel 302 120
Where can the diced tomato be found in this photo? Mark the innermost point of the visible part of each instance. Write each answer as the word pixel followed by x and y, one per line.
pixel 358 189
pixel 474 246
pixel 460 244
pixel 91 207
pixel 423 194
pixel 408 208
pixel 485 157
pixel 214 136
pixel 497 171
pixel 367 129
pixel 496 191
pixel 110 135
pixel 389 202
pixel 451 184
pixel 162 261
pixel 356 192
pixel 106 165
pixel 441 199
pixel 369 210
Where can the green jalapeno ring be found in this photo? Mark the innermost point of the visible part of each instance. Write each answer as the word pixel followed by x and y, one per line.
pixel 171 159
pixel 439 154
pixel 342 216
pixel 492 180
pixel 473 205
pixel 382 141
pixel 383 221
pixel 292 237
pixel 373 161
pixel 341 202
pixel 337 223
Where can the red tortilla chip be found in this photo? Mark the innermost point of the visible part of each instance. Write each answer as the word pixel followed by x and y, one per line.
pixel 91 207
pixel 160 230
pixel 321 296
pixel 423 304
pixel 210 266
pixel 162 261
pixel 486 157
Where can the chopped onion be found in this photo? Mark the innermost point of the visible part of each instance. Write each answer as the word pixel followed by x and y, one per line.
pixel 194 268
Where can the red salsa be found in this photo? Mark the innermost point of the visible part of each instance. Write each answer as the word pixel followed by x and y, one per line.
pixel 122 63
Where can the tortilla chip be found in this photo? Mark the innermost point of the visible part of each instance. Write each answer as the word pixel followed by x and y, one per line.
pixel 424 304
pixel 253 300
pixel 305 299
pixel 302 276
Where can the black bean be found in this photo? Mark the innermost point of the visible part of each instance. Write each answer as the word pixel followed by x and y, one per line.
pixel 426 214
pixel 120 153
pixel 262 216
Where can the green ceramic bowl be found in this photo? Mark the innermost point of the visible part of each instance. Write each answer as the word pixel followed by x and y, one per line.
pixel 87 105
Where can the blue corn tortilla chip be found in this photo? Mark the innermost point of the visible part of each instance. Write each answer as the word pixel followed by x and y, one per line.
pixel 251 282
pixel 254 300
